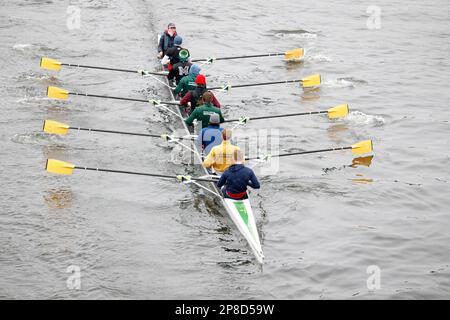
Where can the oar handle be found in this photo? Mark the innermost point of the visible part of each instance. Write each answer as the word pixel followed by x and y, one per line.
pixel 258 84
pixel 243 57
pixel 139 173
pixel 303 152
pixel 281 116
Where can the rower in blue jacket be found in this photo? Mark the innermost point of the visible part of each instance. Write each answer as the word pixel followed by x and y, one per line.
pixel 210 136
pixel 237 178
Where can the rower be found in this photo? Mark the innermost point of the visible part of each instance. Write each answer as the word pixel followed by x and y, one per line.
pixel 202 113
pixel 167 39
pixel 188 82
pixel 180 69
pixel 237 178
pixel 210 136
pixel 192 98
pixel 221 156
pixel 172 54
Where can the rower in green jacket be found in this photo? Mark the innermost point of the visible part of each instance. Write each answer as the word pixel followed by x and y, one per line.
pixel 203 112
pixel 187 83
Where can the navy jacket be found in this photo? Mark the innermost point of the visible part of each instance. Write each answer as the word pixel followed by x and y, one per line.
pixel 166 42
pixel 236 179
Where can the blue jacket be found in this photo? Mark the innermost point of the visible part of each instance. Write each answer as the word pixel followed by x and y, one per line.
pixel 209 137
pixel 236 179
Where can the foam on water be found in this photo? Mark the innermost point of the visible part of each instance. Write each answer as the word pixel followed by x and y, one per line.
pixel 359 118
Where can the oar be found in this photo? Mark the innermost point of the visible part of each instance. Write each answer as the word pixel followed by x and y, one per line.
pixel 54 127
pixel 310 81
pixel 61 167
pixel 52 64
pixel 362 147
pixel 58 93
pixel 339 111
pixel 291 54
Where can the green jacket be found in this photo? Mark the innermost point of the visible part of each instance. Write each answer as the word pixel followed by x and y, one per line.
pixel 202 113
pixel 186 83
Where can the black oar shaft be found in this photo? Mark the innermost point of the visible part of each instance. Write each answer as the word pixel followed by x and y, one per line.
pixel 106 97
pixel 120 98
pixel 98 68
pixel 111 69
pixel 117 132
pixel 140 173
pixel 258 84
pixel 303 152
pixel 243 57
pixel 126 133
pixel 281 116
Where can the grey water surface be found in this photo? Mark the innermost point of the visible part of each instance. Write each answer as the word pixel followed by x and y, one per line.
pixel 324 219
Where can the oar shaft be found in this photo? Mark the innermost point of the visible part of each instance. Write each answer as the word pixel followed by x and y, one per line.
pixel 258 84
pixel 111 69
pixel 119 98
pixel 126 133
pixel 244 57
pixel 313 151
pixel 106 97
pixel 117 132
pixel 139 173
pixel 281 116
pixel 303 152
pixel 98 68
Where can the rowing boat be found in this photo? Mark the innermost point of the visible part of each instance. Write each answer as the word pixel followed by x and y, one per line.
pixel 239 211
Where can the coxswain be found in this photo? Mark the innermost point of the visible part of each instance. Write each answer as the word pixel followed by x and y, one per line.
pixel 235 180
pixel 221 156
pixel 187 82
pixel 167 39
pixel 192 98
pixel 202 113
pixel 180 69
pixel 210 136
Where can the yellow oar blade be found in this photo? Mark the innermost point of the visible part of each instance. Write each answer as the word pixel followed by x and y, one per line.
pixel 55 127
pixel 50 64
pixel 339 111
pixel 365 146
pixel 59 167
pixel 57 93
pixel 311 81
pixel 294 54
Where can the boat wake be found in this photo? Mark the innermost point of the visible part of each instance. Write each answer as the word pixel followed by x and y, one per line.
pixel 362 119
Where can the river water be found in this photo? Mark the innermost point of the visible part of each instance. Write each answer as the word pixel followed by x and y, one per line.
pixel 331 226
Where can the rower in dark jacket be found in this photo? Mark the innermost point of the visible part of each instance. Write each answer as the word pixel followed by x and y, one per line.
pixel 180 69
pixel 237 178
pixel 193 98
pixel 172 54
pixel 166 40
